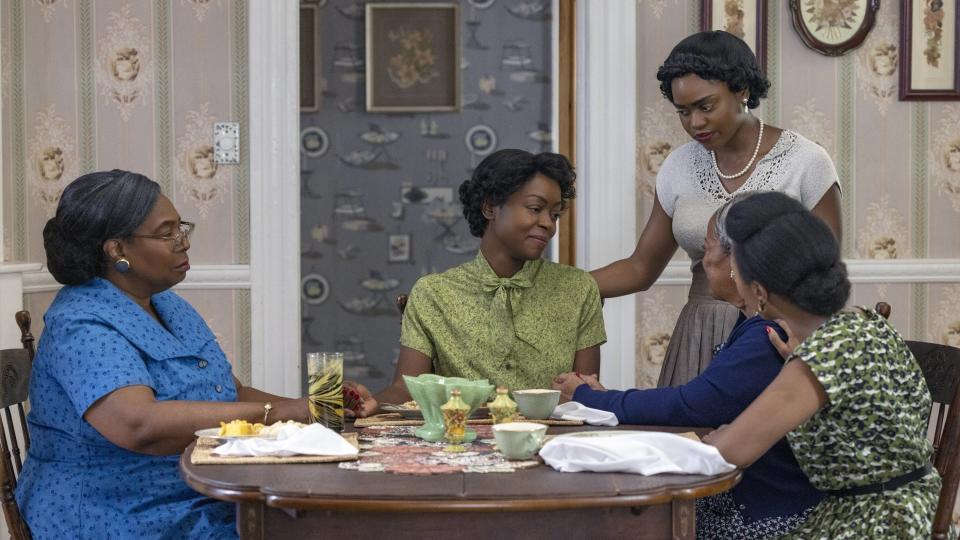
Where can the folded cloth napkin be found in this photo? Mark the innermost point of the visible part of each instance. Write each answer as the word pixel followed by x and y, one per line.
pixel 572 410
pixel 312 440
pixel 647 452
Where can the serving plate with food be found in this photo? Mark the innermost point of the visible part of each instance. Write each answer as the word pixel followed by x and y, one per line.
pixel 241 429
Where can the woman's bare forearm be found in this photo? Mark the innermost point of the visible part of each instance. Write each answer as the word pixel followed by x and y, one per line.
pixel 133 419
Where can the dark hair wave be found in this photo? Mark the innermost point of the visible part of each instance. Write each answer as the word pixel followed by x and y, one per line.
pixel 715 56
pixel 93 209
pixel 784 247
pixel 503 173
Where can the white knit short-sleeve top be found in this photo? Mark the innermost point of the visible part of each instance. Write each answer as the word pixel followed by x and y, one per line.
pixel 690 191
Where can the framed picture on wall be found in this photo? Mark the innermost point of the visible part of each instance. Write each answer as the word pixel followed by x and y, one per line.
pixel 311 86
pixel 413 57
pixel 929 70
pixel 746 19
pixel 833 28
pixel 398 246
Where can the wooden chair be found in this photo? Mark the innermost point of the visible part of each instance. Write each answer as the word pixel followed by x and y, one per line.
pixel 402 303
pixel 15 365
pixel 941 369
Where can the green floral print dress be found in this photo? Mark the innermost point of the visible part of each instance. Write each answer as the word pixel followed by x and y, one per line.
pixel 873 428
pixel 519 331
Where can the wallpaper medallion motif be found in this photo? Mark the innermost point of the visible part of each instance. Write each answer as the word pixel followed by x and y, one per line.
pixel 52 158
pixel 656 326
pixel 200 7
pixel 809 121
pixel 47 7
pixel 945 155
pixel 124 62
pixel 884 235
pixel 660 134
pixel 946 323
pixel 657 6
pixel 878 60
pixel 200 178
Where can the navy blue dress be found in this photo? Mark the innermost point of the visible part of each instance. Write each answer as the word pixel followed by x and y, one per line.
pixel 774 494
pixel 76 483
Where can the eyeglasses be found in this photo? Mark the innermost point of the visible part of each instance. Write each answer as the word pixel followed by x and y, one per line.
pixel 184 231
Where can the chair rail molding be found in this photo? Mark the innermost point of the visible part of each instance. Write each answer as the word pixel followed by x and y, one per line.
pixel 859 271
pixel 606 139
pixel 274 156
pixel 200 277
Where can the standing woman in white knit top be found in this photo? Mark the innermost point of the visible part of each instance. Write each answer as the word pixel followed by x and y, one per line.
pixel 713 79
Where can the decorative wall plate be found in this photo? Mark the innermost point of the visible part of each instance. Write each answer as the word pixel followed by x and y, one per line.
pixel 314 141
pixel 314 288
pixel 833 28
pixel 481 140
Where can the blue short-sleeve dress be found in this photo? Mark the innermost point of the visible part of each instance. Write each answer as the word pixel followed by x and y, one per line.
pixel 77 484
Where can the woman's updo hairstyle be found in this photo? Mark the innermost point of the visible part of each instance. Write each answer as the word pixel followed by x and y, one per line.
pixel 93 209
pixel 503 173
pixel 781 245
pixel 715 56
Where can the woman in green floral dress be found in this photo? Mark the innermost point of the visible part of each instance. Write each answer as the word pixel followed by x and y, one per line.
pixel 851 399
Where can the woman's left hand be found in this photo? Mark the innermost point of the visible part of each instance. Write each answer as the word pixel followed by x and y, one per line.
pixel 358 400
pixel 784 348
pixel 567 384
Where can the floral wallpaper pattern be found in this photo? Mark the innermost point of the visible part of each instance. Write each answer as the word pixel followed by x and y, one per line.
pixel 379 200
pixel 131 84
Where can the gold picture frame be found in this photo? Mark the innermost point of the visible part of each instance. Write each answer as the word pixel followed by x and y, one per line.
pixel 929 50
pixel 412 57
pixel 746 19
pixel 311 77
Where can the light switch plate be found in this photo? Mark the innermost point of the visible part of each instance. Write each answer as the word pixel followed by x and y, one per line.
pixel 226 142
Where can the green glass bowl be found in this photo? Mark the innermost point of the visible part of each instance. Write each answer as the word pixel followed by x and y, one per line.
pixel 431 391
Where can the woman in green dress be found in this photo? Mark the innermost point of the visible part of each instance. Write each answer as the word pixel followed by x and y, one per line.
pixel 851 398
pixel 508 315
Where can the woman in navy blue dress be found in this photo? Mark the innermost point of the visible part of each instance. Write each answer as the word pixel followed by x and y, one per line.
pixel 775 495
pixel 126 371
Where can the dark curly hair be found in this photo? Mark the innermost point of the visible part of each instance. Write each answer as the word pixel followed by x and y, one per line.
pixel 715 56
pixel 784 247
pixel 503 173
pixel 93 209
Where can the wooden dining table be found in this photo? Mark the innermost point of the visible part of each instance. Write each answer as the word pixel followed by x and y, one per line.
pixel 322 500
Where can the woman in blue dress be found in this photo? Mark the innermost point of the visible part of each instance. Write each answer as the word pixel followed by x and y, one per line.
pixel 775 495
pixel 126 371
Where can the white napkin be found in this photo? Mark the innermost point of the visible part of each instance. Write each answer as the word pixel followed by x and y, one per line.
pixel 312 440
pixel 572 410
pixel 648 452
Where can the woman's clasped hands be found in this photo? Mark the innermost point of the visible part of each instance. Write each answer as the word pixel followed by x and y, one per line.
pixel 567 384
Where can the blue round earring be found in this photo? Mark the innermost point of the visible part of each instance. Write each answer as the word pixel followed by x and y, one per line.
pixel 122 265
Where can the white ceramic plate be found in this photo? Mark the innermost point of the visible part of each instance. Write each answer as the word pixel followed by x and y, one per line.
pixel 214 433
pixel 618 433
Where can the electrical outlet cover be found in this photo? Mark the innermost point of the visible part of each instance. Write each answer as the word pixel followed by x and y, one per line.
pixel 226 142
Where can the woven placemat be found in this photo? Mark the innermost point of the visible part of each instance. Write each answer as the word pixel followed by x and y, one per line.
pixel 203 455
pixel 394 419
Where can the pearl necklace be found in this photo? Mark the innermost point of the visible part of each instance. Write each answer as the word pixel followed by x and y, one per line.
pixel 753 158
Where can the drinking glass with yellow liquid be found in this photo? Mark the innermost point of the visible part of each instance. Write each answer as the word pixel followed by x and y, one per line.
pixel 325 388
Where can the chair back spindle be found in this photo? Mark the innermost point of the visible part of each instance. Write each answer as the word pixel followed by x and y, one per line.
pixel 15 366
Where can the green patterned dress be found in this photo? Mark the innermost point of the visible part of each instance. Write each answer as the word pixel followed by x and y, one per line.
pixel 519 331
pixel 873 428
